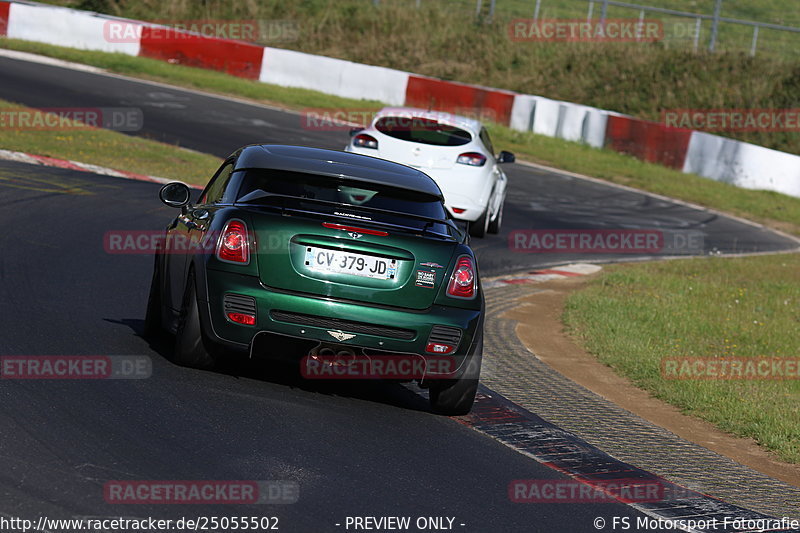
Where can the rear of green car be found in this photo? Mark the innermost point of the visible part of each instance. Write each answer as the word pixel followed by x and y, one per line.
pixel 308 263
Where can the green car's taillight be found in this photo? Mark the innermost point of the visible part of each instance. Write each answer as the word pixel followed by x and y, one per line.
pixel 463 281
pixel 234 243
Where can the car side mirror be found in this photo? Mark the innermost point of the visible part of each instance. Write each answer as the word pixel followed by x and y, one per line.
pixel 506 157
pixel 175 194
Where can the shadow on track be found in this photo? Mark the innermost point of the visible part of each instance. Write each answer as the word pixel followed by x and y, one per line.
pixel 287 373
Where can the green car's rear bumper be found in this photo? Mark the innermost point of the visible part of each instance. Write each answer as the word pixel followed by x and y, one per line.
pixel 311 318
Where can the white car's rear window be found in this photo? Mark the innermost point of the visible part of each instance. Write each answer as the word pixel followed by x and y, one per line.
pixel 422 130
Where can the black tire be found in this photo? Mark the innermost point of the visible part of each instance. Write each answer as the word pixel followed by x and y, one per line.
pixel 454 397
pixel 497 223
pixel 191 347
pixel 153 317
pixel 480 226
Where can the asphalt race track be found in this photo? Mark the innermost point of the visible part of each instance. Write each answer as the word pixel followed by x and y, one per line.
pixel 360 449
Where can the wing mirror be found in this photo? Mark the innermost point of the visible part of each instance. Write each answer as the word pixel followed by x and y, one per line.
pixel 506 157
pixel 175 194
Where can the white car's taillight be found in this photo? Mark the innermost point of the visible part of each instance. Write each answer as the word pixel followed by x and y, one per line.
pixel 234 243
pixel 365 141
pixel 463 281
pixel 473 159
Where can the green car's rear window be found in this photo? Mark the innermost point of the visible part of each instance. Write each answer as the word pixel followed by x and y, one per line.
pixel 257 185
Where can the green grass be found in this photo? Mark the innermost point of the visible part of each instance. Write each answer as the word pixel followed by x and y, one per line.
pixel 633 316
pixel 110 149
pixel 777 210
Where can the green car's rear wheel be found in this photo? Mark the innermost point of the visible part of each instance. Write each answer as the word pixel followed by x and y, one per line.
pixel 454 397
pixel 152 318
pixel 191 347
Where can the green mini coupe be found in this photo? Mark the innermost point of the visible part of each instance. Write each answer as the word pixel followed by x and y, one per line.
pixel 291 251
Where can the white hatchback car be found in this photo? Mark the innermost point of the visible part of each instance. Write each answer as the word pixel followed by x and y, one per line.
pixel 453 150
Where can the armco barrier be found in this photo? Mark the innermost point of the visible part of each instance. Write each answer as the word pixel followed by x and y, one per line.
pixel 432 93
pixel 581 123
pixel 565 120
pixel 743 164
pixel 4 18
pixel 545 116
pixel 288 68
pixel 594 132
pixel 232 57
pixel 63 27
pixel 521 112
pixel 646 140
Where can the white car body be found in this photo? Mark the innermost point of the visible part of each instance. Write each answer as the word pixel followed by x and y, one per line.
pixel 469 191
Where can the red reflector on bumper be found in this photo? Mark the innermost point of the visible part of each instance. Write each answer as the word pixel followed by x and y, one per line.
pixel 458 210
pixel 435 347
pixel 241 318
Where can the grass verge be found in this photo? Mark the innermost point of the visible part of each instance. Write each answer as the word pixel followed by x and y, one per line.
pixel 769 208
pixel 110 149
pixel 633 316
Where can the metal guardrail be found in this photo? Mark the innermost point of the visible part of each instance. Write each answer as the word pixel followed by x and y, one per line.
pixel 715 18
pixel 485 10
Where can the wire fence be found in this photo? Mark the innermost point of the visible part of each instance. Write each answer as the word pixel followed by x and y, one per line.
pixel 713 25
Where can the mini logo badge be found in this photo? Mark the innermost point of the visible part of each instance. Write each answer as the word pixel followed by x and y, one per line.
pixel 431 265
pixel 354 235
pixel 340 335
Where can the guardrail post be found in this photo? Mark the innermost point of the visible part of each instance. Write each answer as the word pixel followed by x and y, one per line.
pixel 714 26
pixel 536 10
pixel 589 14
pixel 755 41
pixel 697 26
pixel 640 29
pixel 603 12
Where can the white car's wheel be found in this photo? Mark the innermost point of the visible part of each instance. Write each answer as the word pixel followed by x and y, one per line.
pixel 480 226
pixel 497 223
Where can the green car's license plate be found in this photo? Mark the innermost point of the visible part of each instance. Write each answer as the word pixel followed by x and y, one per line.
pixel 340 262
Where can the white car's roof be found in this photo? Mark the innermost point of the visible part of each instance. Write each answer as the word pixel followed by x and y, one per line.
pixel 469 124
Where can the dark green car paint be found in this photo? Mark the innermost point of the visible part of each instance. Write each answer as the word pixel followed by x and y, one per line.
pixel 277 278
